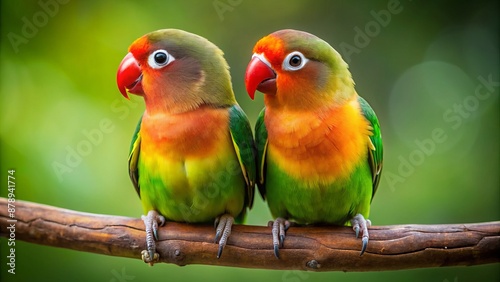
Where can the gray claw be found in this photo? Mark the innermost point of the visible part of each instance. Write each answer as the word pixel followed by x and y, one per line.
pixel 219 252
pixel 151 255
pixel 364 243
pixel 155 230
pixel 359 223
pixel 277 251
pixel 151 222
pixel 223 230
pixel 279 227
pixel 217 236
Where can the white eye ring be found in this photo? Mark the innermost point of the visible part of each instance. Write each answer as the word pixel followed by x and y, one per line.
pixel 294 61
pixel 160 58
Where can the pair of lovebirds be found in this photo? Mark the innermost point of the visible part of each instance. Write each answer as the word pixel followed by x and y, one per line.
pixel 317 153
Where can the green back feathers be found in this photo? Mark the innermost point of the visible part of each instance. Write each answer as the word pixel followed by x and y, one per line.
pixel 134 157
pixel 261 146
pixel 376 151
pixel 241 134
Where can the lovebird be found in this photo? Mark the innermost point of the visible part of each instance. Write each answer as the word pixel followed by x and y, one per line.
pixel 192 156
pixel 319 145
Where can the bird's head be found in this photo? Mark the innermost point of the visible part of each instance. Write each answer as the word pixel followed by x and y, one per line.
pixel 175 71
pixel 296 69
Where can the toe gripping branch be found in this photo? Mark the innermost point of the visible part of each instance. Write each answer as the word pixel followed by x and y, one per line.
pixel 222 226
pixel 359 223
pixel 279 228
pixel 152 221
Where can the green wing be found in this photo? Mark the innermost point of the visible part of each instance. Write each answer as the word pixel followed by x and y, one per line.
pixel 133 157
pixel 241 133
pixel 376 150
pixel 261 145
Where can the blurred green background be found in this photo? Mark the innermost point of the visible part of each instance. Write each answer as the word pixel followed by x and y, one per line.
pixel 423 66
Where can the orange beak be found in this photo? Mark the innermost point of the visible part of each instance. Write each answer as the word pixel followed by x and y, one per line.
pixel 129 76
pixel 260 76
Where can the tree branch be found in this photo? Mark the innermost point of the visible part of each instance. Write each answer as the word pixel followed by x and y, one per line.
pixel 306 248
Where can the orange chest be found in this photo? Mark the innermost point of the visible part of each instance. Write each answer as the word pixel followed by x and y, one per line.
pixel 309 145
pixel 196 133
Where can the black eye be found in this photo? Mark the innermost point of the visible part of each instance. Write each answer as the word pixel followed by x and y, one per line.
pixel 295 61
pixel 160 58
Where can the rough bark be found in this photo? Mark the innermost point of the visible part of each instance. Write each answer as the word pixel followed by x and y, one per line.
pixel 306 248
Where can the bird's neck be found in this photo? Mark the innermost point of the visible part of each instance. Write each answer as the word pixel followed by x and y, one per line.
pixel 337 92
pixel 182 98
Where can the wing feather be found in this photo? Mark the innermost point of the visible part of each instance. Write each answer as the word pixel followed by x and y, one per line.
pixel 241 134
pixel 375 147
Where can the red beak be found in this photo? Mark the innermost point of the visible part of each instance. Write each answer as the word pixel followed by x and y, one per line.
pixel 259 76
pixel 129 76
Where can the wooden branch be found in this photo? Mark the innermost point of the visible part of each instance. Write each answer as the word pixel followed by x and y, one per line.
pixel 306 248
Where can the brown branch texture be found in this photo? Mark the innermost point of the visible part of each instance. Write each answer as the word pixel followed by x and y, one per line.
pixel 306 248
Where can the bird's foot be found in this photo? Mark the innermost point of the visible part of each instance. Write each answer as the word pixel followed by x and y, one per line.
pixel 222 226
pixel 146 257
pixel 279 228
pixel 359 223
pixel 151 221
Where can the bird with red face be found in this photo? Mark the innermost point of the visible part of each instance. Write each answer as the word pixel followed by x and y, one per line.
pixel 319 145
pixel 192 155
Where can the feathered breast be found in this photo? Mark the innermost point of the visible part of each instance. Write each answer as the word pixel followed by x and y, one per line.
pixel 325 146
pixel 197 133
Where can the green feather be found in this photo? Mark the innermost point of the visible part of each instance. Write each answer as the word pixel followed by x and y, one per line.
pixel 318 202
pixel 376 153
pixel 261 145
pixel 134 157
pixel 241 133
